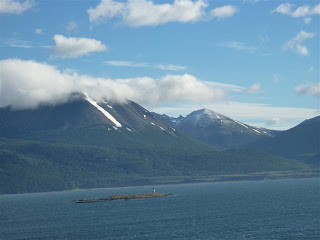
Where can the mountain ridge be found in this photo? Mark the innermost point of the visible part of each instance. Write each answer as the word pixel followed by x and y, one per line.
pixel 216 129
pixel 301 142
pixel 78 145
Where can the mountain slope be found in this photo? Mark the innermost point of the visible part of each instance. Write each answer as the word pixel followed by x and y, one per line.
pixel 32 166
pixel 301 142
pixel 216 129
pixel 80 122
pixel 84 143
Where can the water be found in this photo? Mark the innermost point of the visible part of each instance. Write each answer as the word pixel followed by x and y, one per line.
pixel 280 209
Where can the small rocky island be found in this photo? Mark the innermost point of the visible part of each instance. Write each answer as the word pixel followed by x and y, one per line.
pixel 124 197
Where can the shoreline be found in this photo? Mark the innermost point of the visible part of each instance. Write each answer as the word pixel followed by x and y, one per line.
pixel 182 180
pixel 260 176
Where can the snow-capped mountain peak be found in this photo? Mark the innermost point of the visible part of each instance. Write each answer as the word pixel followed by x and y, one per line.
pixel 212 127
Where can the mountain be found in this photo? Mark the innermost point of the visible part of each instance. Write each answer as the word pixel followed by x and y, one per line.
pixel 172 121
pixel 216 129
pixel 85 143
pixel 301 142
pixel 82 120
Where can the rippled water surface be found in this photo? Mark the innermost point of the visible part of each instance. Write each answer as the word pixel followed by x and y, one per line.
pixel 280 209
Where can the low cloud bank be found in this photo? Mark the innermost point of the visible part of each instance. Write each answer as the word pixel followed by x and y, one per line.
pixel 27 84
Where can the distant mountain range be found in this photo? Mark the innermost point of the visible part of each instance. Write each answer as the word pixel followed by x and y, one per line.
pixel 216 129
pixel 85 143
pixel 301 142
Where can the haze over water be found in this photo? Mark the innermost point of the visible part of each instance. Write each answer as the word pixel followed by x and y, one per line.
pixel 280 209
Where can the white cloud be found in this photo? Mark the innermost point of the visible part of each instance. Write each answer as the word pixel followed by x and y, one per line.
pixel 295 44
pixel 226 87
pixel 316 9
pixel 170 67
pixel 224 11
pixel 76 47
pixel 255 88
pixel 105 9
pixel 239 46
pixel 309 89
pixel 281 124
pixel 38 31
pixel 273 121
pixel 303 11
pixel 26 84
pixel 311 69
pixel 17 43
pixel 147 13
pixel 167 67
pixel 284 8
pixel 307 20
pixel 117 63
pixel 15 7
pixel 250 1
pixel 72 27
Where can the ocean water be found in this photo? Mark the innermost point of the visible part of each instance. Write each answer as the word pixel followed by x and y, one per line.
pixel 278 209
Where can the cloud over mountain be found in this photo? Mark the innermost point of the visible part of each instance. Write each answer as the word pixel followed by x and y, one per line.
pixel 27 84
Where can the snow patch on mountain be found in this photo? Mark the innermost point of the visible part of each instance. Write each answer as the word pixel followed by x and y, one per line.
pixel 256 131
pixel 211 114
pixel 241 124
pixel 108 115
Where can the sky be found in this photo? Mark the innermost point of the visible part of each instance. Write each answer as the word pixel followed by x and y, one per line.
pixel 255 61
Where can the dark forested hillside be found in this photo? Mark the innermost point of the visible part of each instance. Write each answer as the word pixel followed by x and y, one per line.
pixel 301 142
pixel 30 166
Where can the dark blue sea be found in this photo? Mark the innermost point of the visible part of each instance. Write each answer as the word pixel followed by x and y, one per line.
pixel 275 209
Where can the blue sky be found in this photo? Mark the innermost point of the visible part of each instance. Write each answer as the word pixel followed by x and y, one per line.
pixel 254 61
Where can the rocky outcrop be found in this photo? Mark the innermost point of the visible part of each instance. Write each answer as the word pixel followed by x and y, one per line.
pixel 124 197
